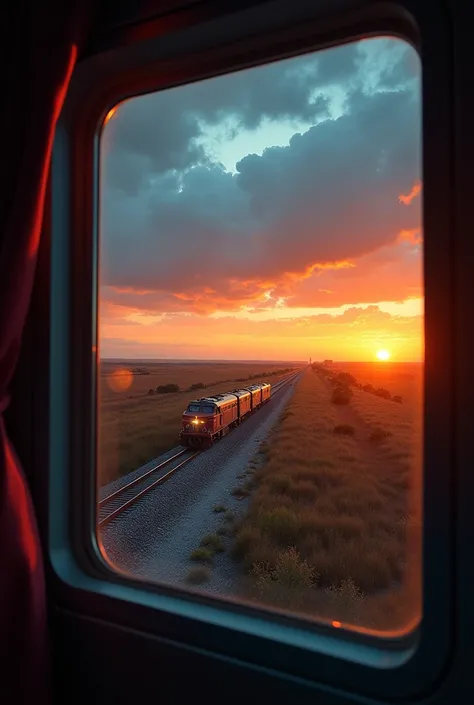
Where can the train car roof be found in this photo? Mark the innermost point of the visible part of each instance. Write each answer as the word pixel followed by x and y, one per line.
pixel 254 387
pixel 221 398
pixel 240 392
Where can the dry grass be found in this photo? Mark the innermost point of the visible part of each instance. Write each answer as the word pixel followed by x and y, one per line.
pixel 333 528
pixel 135 427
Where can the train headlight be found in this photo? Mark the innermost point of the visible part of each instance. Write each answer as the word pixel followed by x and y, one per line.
pixel 195 422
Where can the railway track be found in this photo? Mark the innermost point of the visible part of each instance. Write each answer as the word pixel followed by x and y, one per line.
pixel 121 499
pixel 115 503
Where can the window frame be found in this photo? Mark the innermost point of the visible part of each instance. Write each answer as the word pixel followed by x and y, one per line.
pixel 398 667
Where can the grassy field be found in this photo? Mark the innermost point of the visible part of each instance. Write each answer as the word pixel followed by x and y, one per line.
pixel 136 423
pixel 333 527
pixel 404 379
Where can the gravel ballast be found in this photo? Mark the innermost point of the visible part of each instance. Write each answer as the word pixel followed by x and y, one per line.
pixel 155 537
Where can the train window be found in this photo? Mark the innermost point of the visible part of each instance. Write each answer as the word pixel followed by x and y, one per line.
pixel 265 226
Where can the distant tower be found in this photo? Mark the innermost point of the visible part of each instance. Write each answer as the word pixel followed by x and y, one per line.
pixel 310 361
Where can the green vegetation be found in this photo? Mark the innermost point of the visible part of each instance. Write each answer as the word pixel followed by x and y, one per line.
pixel 330 528
pixel 203 555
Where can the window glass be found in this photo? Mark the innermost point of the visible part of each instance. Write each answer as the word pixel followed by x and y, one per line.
pixel 266 227
pixel 206 409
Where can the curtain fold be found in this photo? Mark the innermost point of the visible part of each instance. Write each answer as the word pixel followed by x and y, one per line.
pixel 37 63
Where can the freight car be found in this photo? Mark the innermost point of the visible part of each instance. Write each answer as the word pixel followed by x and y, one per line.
pixel 209 418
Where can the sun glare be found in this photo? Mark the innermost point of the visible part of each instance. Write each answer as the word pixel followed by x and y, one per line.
pixel 383 355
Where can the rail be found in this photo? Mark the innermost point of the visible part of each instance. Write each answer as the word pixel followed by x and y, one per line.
pixel 123 498
pixel 117 502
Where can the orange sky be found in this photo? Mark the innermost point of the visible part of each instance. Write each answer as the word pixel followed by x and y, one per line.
pixel 253 250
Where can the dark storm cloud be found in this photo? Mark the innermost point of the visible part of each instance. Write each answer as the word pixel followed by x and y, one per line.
pixel 201 238
pixel 158 132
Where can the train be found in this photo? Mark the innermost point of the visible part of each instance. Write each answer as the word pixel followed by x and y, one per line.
pixel 209 418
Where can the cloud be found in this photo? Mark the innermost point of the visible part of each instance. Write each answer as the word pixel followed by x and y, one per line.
pixel 354 334
pixel 180 233
pixel 159 132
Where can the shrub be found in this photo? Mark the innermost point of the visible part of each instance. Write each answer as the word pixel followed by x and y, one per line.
pixel 341 395
pixel 289 571
pixel 218 508
pixel 167 389
pixel 368 388
pixel 198 385
pixel 379 434
pixel 202 555
pixel 344 429
pixel 151 391
pixel 213 542
pixel 292 571
pixel 346 595
pixel 382 393
pixel 280 524
pixel 345 379
pixel 397 399
pixel 240 492
pixel 247 539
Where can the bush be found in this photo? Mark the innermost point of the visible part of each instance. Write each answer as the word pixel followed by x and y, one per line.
pixel 341 395
pixel 344 429
pixel 167 389
pixel 382 393
pixel 290 571
pixel 212 542
pixel 151 391
pixel 368 388
pixel 240 492
pixel 379 434
pixel 346 595
pixel 397 399
pixel 345 379
pixel 247 539
pixel 198 385
pixel 280 524
pixel 202 555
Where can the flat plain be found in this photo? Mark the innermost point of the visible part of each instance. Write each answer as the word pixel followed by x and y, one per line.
pixel 333 527
pixel 137 423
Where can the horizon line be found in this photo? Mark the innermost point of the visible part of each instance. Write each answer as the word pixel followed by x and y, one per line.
pixel 253 360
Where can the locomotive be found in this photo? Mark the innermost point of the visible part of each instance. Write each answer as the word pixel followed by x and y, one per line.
pixel 209 418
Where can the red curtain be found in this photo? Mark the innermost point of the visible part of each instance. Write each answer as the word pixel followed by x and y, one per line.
pixel 40 54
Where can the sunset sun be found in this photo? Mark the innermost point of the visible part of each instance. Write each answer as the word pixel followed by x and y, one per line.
pixel 383 355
